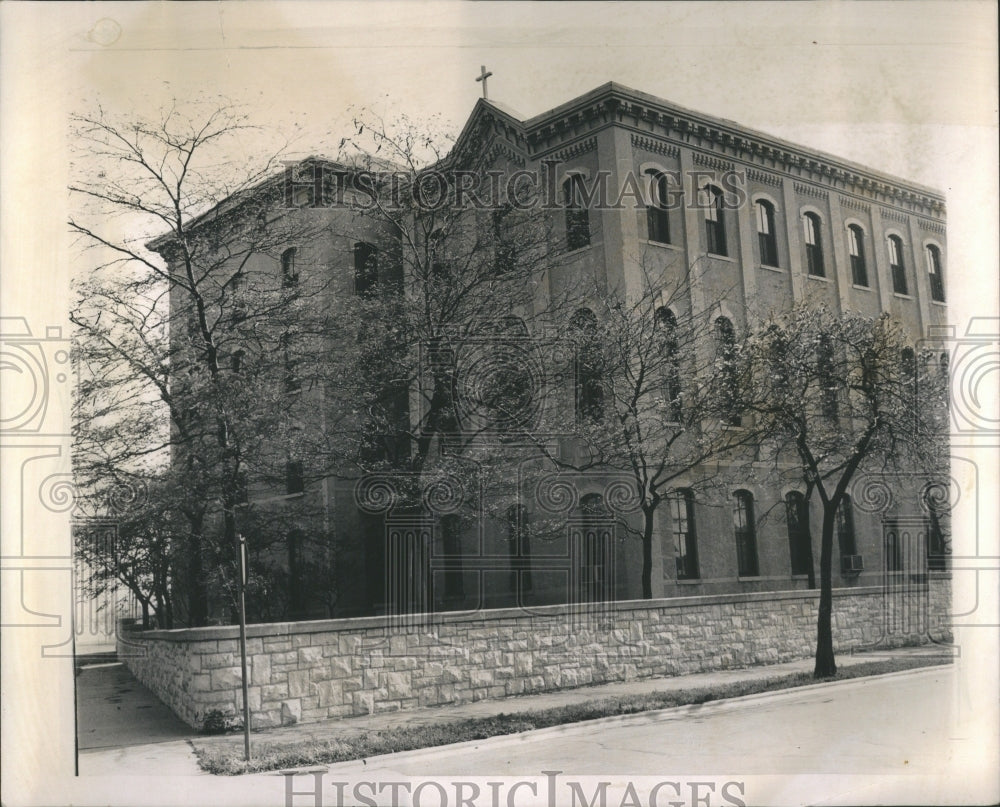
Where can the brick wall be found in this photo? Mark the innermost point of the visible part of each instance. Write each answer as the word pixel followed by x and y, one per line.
pixel 309 671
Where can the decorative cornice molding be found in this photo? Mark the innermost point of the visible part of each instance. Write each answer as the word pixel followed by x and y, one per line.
pixel 893 215
pixel 500 148
pixel 856 204
pixel 764 177
pixel 568 153
pixel 655 145
pixel 811 190
pixel 933 226
pixel 711 161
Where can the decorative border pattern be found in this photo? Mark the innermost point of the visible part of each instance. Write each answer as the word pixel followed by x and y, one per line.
pixel 655 145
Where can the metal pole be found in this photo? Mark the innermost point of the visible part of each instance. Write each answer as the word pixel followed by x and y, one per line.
pixel 243 646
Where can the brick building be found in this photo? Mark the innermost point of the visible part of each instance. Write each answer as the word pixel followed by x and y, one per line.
pixel 775 224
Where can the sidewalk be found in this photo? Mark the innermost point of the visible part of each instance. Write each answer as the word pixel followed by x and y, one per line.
pixel 178 754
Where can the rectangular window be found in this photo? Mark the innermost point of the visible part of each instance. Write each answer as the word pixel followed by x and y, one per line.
pixel 746 535
pixel 935 273
pixel 365 269
pixel 657 219
pixel 897 266
pixel 715 223
pixel 577 214
pixel 856 245
pixel 685 542
pixel 814 250
pixel 294 480
pixel 765 234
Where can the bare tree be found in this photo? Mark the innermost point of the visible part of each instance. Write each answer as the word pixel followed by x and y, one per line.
pixel 181 360
pixel 831 395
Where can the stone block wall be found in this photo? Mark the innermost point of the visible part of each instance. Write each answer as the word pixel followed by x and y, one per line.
pixel 310 671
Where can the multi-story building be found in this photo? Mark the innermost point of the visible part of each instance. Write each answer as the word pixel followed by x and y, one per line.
pixel 747 224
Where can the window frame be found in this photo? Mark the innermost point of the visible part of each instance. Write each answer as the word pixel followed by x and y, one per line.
pixel 713 204
pixel 577 214
pixel 767 237
pixel 799 533
pixel 289 273
pixel 747 555
pixel 935 272
pixel 657 211
pixel 684 530
pixel 812 225
pixel 856 254
pixel 897 264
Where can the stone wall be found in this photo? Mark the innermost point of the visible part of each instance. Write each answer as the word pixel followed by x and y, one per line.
pixel 309 671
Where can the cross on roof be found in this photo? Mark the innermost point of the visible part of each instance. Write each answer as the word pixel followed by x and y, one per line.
pixel 483 75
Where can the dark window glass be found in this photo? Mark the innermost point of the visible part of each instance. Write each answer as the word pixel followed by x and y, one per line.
pixel 746 534
pixel 294 480
pixel 589 385
pixel 856 249
pixel 766 238
pixel 799 540
pixel 845 527
pixel 726 346
pixel 365 269
pixel 715 220
pixel 289 272
pixel 685 537
pixel 814 245
pixel 519 540
pixel 595 583
pixel 657 216
pixel 935 273
pixel 896 265
pixel 827 376
pixel 577 214
pixel 451 535
pixel 666 322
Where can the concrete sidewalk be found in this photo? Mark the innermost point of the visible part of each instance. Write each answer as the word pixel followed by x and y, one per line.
pixel 178 754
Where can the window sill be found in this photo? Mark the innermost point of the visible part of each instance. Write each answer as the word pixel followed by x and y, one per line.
pixel 815 276
pixel 748 579
pixel 716 256
pixel 861 288
pixel 578 250
pixel 902 296
pixel 688 581
pixel 941 303
pixel 769 268
pixel 800 577
pixel 664 244
pixel 820 278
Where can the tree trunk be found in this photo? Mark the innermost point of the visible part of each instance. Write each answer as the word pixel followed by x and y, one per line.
pixel 825 662
pixel 647 553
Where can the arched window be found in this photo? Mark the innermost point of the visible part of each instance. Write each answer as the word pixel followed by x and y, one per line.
pixel 715 220
pixel 657 217
pixel 935 273
pixel 666 324
pixel 826 376
pixel 745 529
pixel 896 264
pixel 845 527
pixel 729 392
pixel 365 269
pixel 814 245
pixel 504 251
pixel 766 238
pixel 685 537
pixel 577 214
pixel 799 538
pixel 289 272
pixel 856 249
pixel 589 366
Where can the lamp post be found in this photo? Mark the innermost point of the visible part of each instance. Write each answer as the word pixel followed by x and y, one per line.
pixel 244 572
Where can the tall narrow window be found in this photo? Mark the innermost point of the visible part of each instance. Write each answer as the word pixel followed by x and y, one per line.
pixel 589 381
pixel 729 392
pixel 826 376
pixel 294 479
pixel 237 361
pixel 746 534
pixel 845 527
pixel 856 248
pixel 657 217
pixel 799 539
pixel 296 589
pixel 504 251
pixel 291 377
pixel 814 245
pixel 896 264
pixel 908 377
pixel 577 214
pixel 595 582
pixel 666 323
pixel 451 537
pixel 519 540
pixel 934 272
pixel 289 271
pixel 935 502
pixel 715 220
pixel 766 238
pixel 685 538
pixel 365 269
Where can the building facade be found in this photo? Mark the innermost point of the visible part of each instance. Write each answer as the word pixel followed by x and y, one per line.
pixel 632 187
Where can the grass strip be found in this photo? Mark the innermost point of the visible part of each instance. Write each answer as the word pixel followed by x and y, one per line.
pixel 227 759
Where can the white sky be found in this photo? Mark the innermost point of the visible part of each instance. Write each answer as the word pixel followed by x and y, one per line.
pixel 909 88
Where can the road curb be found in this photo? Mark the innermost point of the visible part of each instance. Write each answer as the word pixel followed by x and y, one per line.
pixel 652 716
